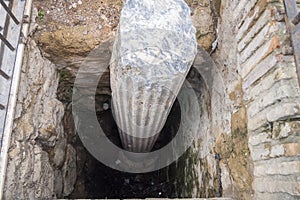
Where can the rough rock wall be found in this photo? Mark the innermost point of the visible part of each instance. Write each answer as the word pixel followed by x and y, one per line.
pixel 196 172
pixel 258 67
pixel 41 164
pixel 220 164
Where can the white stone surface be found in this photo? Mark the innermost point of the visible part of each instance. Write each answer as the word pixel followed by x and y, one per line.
pixel 275 186
pixel 284 72
pixel 258 56
pixel 259 152
pixel 277 151
pixel 259 138
pixel 252 31
pixel 277 93
pixel 154 49
pixel 259 39
pixel 275 168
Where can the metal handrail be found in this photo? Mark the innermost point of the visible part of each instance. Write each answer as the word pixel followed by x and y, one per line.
pixel 9 12
pixel 14 18
pixel 22 9
pixel 3 37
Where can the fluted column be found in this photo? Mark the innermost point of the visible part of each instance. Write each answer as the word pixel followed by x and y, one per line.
pixel 153 52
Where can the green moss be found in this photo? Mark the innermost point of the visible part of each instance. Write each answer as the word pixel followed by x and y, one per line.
pixel 41 14
pixel 187 173
pixel 235 154
pixel 65 88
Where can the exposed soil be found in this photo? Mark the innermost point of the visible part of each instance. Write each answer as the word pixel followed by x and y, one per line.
pixel 70 29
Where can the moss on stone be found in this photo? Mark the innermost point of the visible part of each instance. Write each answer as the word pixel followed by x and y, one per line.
pixel 235 153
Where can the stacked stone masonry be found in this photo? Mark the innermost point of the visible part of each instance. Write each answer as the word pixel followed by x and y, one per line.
pixel 272 97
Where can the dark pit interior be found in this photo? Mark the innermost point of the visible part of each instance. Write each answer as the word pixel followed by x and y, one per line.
pixel 95 180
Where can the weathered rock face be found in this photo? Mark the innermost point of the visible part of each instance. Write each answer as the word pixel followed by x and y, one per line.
pixel 197 171
pixel 40 164
pixel 205 17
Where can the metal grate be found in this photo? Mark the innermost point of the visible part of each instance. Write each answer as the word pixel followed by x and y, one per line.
pixel 293 24
pixel 11 13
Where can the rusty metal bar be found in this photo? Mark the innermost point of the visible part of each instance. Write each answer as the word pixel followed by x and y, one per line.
pixel 9 12
pixel 293 19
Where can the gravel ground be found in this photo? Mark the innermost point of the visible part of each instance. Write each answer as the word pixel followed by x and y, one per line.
pixel 94 14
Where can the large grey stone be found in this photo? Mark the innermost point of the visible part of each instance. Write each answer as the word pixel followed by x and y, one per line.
pixel 153 51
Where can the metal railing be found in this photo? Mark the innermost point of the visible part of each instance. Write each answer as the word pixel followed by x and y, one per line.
pixel 293 24
pixel 11 14
pixel 2 37
pixel 14 26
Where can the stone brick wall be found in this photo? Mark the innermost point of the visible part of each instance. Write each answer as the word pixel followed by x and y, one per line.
pixel 271 96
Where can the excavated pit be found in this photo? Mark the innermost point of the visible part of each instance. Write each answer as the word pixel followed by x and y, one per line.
pixel 246 138
pixel 96 180
pixel 64 37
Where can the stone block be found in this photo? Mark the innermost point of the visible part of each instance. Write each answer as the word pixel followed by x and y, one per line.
pixel 242 10
pixel 283 72
pixel 275 168
pixel 285 110
pixel 272 185
pixel 277 150
pixel 251 32
pixel 246 23
pixel 258 40
pixel 260 152
pixel 279 111
pixel 277 93
pixel 292 149
pixel 260 138
pixel 260 70
pixel 259 55
pixel 274 196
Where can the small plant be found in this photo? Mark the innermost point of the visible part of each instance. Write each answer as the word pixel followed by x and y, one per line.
pixel 41 14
